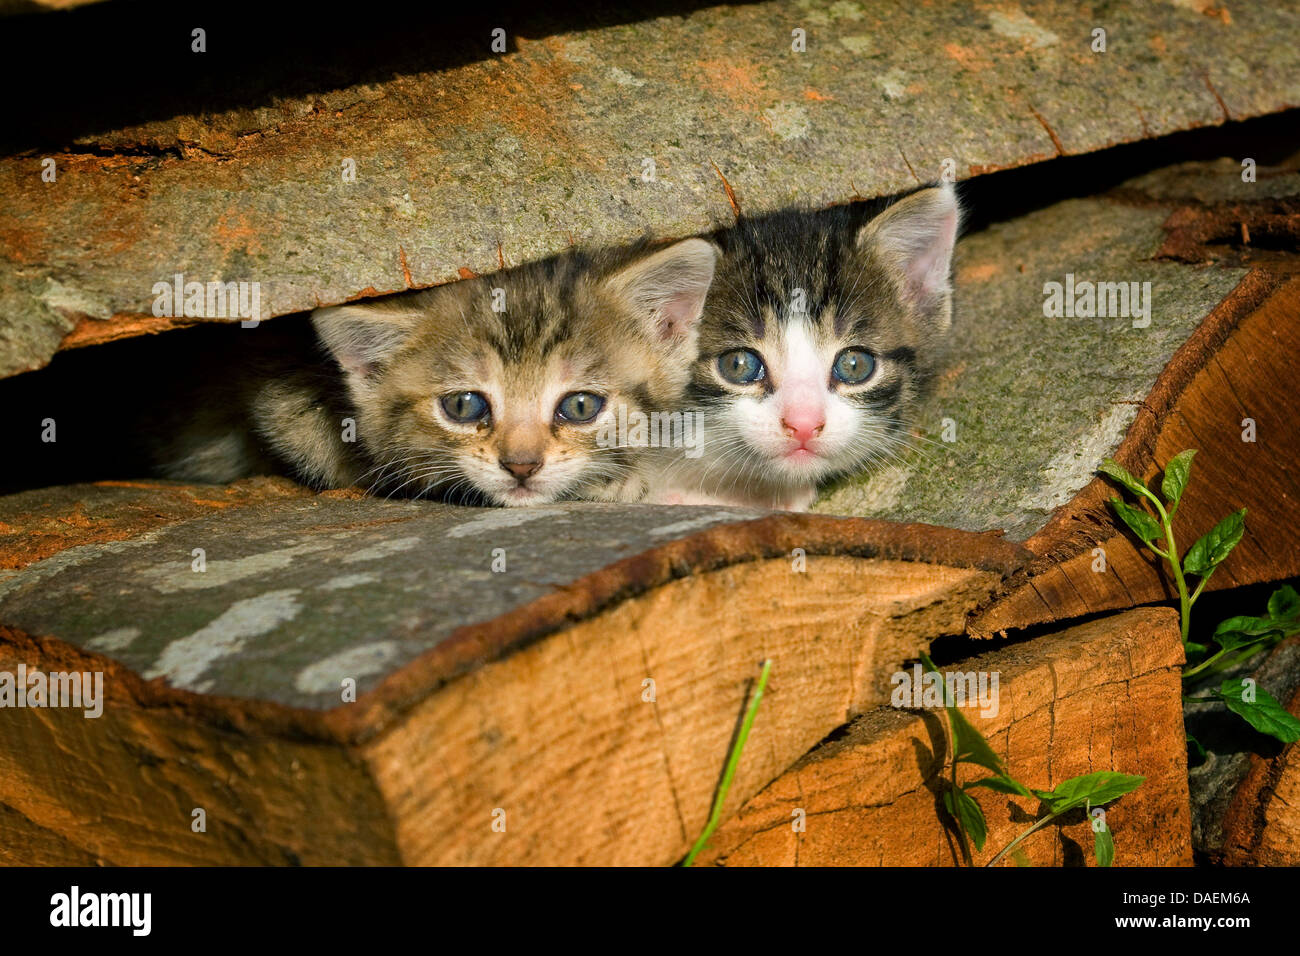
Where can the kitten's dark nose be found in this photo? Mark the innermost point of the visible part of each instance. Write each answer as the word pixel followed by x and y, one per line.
pixel 522 470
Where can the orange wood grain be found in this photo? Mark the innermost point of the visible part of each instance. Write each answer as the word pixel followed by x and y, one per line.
pixel 1241 363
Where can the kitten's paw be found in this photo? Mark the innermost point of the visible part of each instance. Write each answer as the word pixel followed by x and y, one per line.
pixel 625 491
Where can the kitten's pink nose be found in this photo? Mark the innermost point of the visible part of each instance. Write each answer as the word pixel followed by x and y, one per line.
pixel 522 470
pixel 803 424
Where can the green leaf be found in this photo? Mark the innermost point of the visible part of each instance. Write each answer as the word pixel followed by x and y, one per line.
pixel 968 813
pixel 1236 640
pixel 1283 619
pixel 1095 788
pixel 1237 632
pixel 1104 846
pixel 1115 470
pixel 1250 626
pixel 1002 784
pixel 1208 553
pixel 1194 650
pixel 969 745
pixel 1197 750
pixel 1142 524
pixel 1284 604
pixel 1264 713
pixel 1177 472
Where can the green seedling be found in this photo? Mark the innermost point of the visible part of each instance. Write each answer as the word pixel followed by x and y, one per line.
pixel 1086 791
pixel 1238 638
pixel 1204 557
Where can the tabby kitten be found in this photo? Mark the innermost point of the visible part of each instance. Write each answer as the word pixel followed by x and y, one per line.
pixel 818 338
pixel 495 389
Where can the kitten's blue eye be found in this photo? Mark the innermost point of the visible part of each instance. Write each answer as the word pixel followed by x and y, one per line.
pixel 579 407
pixel 740 366
pixel 465 406
pixel 854 366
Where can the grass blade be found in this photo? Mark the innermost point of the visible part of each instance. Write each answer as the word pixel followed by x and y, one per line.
pixel 732 763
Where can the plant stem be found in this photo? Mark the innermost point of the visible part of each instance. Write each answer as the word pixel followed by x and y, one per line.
pixel 1200 586
pixel 1018 840
pixel 961 830
pixel 952 735
pixel 1192 671
pixel 1184 599
pixel 732 763
pixel 1237 656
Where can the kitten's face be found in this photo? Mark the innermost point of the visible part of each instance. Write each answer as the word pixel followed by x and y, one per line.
pixel 524 432
pixel 512 423
pixel 513 407
pixel 807 397
pixel 818 337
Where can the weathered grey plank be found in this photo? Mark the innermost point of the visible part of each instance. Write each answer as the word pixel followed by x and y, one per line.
pixel 517 155
pixel 298 594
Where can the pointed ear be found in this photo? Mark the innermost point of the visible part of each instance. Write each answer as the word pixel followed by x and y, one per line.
pixel 667 289
pixel 914 239
pixel 362 338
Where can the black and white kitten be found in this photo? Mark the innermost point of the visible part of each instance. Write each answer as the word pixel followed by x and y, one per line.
pixel 818 337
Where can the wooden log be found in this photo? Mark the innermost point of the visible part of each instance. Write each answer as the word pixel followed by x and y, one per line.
pixel 1232 373
pixel 588 692
pixel 1105 695
pixel 1028 428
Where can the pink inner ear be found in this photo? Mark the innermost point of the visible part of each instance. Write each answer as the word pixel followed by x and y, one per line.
pixel 677 314
pixel 927 270
pixel 357 366
pixel 354 360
